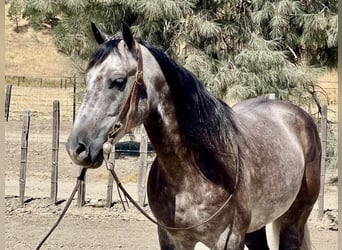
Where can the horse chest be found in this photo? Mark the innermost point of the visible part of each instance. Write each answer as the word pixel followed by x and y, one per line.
pixel 192 207
pixel 189 202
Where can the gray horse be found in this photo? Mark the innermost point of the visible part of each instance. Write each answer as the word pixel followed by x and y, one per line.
pixel 221 174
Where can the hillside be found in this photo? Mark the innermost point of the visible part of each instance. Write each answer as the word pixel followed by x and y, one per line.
pixel 33 53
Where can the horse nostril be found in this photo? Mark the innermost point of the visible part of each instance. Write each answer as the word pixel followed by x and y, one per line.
pixel 80 148
pixel 82 151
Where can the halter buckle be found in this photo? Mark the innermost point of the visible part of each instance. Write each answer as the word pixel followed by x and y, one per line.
pixel 139 77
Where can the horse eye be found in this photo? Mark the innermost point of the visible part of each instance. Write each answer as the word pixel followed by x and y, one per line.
pixel 118 83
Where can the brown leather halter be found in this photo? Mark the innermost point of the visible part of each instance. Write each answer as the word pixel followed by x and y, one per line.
pixel 130 104
pixel 129 107
pixel 139 80
pixel 107 147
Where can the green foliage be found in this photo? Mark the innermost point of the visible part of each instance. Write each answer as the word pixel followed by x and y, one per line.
pixel 238 48
pixel 307 28
pixel 15 12
pixel 41 12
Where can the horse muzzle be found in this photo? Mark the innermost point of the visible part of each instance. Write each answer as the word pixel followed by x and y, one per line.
pixel 83 153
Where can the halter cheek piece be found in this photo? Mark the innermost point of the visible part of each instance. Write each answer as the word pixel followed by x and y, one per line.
pixel 139 80
pixel 128 109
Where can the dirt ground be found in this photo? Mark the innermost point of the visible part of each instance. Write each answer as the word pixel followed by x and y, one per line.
pixel 32 53
pixel 94 226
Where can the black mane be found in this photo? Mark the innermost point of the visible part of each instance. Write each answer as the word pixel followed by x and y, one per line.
pixel 207 122
pixel 203 118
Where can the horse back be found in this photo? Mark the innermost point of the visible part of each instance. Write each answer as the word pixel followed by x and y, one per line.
pixel 275 117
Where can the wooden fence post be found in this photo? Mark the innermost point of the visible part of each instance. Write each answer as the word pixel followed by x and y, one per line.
pixel 23 161
pixel 8 101
pixel 110 179
pixel 324 153
pixel 142 169
pixel 74 101
pixel 55 149
pixel 81 192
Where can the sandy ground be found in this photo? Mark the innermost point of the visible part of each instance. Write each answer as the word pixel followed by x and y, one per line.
pixel 94 226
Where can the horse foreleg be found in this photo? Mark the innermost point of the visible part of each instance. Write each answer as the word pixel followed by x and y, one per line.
pixel 168 241
pixel 230 239
pixel 257 240
pixel 165 241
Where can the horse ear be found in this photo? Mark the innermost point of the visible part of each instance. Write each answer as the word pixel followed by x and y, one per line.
pixel 99 36
pixel 127 36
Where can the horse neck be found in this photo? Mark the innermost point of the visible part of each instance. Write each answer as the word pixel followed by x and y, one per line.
pixel 177 158
pixel 161 123
pixel 166 131
pixel 163 130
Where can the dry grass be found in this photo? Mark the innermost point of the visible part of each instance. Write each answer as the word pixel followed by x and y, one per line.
pixel 329 93
pixel 329 79
pixel 33 53
pixel 39 102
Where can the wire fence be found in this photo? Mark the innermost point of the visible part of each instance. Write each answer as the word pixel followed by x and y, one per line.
pixel 332 137
pixel 38 94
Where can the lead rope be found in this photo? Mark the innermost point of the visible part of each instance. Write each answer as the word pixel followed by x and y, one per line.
pixel 107 147
pixel 67 205
pixel 110 168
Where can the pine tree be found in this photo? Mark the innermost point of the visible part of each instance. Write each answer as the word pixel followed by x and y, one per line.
pixel 239 48
pixel 307 29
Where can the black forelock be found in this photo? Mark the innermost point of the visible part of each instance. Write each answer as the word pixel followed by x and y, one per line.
pixel 102 52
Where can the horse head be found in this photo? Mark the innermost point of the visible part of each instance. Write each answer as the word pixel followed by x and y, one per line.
pixel 115 97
